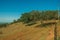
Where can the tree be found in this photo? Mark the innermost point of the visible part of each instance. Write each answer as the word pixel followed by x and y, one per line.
pixel 38 15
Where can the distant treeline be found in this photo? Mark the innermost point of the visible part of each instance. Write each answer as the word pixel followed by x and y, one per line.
pixel 38 15
pixel 33 16
pixel 3 25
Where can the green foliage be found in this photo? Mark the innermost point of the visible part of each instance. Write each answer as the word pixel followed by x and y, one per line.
pixel 50 15
pixel 3 25
pixel 14 21
pixel 34 16
pixel 30 17
pixel 25 17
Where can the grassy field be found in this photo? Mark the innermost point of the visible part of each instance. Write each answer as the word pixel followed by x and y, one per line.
pixel 58 31
pixel 19 31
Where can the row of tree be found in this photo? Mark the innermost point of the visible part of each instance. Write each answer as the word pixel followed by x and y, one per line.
pixel 38 15
pixel 34 16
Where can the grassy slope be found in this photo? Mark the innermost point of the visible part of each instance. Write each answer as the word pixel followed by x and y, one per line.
pixel 19 31
pixel 58 30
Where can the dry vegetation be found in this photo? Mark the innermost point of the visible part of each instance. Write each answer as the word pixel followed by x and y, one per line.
pixel 58 31
pixel 19 31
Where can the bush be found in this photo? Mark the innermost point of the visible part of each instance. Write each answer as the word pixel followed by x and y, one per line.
pixel 34 16
pixel 3 25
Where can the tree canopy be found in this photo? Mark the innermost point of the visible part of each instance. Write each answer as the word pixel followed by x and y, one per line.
pixel 38 15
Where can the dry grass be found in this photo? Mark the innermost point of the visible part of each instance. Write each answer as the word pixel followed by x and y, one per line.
pixel 19 31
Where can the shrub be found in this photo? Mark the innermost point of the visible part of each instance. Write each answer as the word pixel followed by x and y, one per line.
pixel 34 16
pixel 3 25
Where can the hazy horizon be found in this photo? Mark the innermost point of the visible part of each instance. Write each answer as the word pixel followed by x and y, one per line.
pixel 12 9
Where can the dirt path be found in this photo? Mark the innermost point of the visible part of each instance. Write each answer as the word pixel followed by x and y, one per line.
pixel 50 35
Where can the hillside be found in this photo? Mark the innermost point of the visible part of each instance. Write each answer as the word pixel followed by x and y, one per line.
pixel 34 25
pixel 19 31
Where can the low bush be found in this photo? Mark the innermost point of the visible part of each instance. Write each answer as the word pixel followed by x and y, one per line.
pixel 3 25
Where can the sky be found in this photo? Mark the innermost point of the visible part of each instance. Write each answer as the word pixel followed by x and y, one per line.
pixel 12 9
